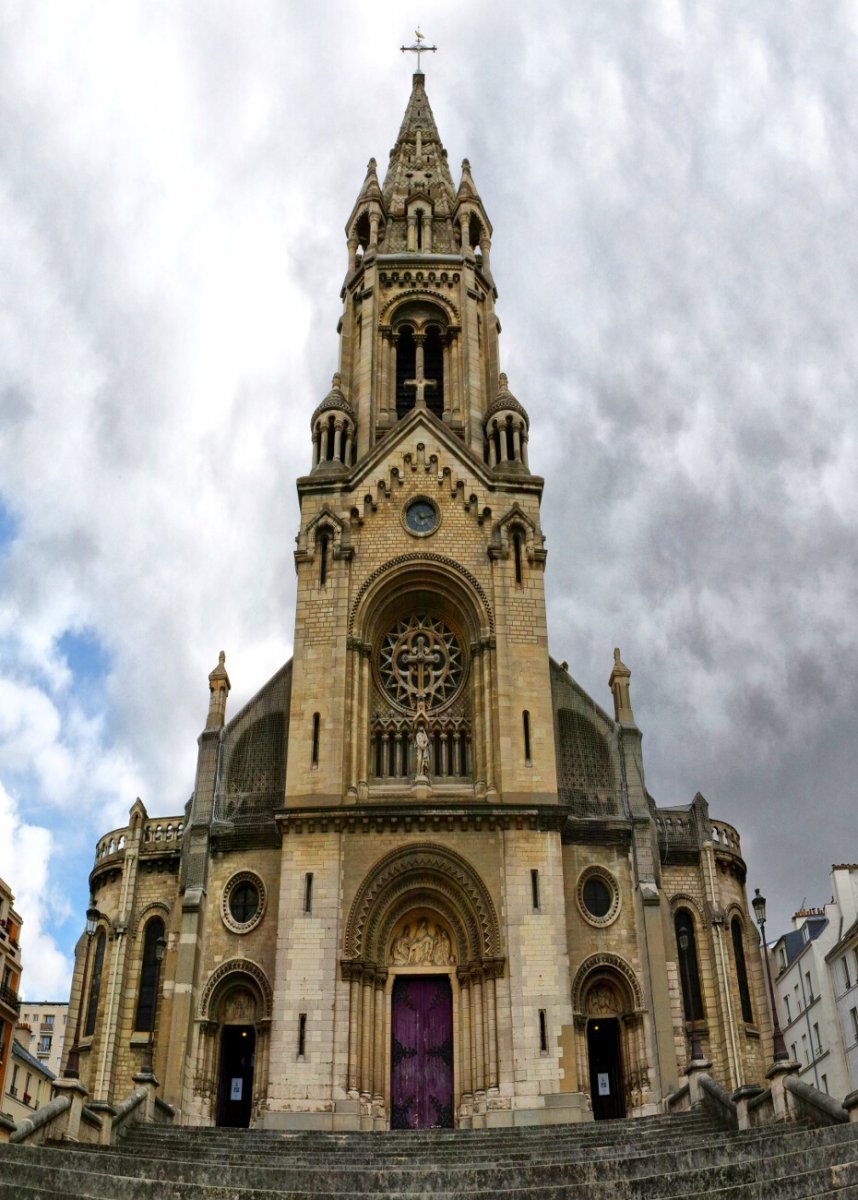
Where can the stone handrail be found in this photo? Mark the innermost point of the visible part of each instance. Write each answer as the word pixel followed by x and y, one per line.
pixel 41 1117
pixel 680 1100
pixel 124 1110
pixel 716 1100
pixel 813 1105
pixel 164 1112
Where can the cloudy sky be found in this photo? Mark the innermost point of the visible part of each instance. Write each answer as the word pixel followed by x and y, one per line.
pixel 672 187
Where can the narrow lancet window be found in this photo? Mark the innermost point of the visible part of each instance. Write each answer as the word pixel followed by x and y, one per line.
pixel 534 888
pixel 323 559
pixel 516 551
pixel 406 370
pixel 525 721
pixel 95 984
pixel 148 976
pixel 689 972
pixel 741 969
pixel 308 892
pixel 316 723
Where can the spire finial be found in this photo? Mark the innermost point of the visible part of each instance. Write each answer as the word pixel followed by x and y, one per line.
pixel 619 685
pixel 219 687
pixel 418 48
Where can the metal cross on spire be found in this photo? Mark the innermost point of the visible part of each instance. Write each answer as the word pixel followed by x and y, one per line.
pixel 418 48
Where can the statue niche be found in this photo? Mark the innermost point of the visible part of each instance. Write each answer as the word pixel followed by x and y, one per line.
pixel 421 941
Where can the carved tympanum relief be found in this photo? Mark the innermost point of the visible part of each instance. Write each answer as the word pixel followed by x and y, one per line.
pixel 422 942
pixel 602 1002
pixel 239 1008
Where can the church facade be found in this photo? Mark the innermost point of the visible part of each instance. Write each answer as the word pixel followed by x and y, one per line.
pixel 420 881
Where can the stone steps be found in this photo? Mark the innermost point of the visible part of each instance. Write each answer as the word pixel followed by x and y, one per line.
pixel 657 1158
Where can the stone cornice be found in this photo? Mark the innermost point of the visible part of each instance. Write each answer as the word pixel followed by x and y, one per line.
pixel 420 818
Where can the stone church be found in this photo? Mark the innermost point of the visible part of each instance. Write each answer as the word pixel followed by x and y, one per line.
pixel 420 881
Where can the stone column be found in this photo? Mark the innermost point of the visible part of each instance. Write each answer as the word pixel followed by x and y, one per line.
pixel 487 712
pixel 354 1027
pixel 478 1038
pixel 492 1034
pixel 360 728
pixel 465 1073
pixel 491 434
pixel 366 1038
pixel 379 1055
pixel 479 755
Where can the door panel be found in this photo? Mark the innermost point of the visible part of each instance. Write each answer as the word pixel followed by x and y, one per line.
pixel 607 1086
pixel 422 1053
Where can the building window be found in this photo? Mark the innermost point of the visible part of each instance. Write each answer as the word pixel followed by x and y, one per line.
pixel 741 970
pixel 95 984
pixel 308 892
pixel 148 976
pixel 689 972
pixel 48 1020
pixel 853 1013
pixel 788 1012
pixel 516 550
pixel 543 1033
pixel 824 1079
pixel 302 1034
pixel 322 543
pixel 809 986
pixel 45 1043
pixel 534 889
pixel 525 721
pixel 804 1048
pixel 316 723
pixel 793 1052
pixel 817 1043
pixel 847 979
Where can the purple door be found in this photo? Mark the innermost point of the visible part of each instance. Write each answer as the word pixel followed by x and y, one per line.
pixel 422 1079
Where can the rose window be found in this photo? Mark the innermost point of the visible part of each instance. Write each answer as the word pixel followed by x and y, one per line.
pixel 420 663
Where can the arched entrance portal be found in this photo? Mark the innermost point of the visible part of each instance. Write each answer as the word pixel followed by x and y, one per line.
pixel 422 946
pixel 607 1002
pixel 233 1024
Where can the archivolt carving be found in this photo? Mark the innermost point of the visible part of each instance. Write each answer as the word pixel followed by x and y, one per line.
pixel 243 971
pixel 683 900
pixel 418 556
pixel 420 293
pixel 616 969
pixel 422 874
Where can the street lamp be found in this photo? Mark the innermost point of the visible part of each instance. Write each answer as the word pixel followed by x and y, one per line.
pixel 778 1043
pixel 696 1048
pixel 72 1070
pixel 147 1067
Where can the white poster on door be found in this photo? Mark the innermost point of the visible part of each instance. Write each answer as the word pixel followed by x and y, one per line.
pixel 604 1084
pixel 236 1085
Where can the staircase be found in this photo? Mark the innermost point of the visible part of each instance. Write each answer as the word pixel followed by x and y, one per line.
pixel 668 1156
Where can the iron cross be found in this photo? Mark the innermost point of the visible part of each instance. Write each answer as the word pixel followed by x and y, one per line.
pixel 418 48
pixel 424 660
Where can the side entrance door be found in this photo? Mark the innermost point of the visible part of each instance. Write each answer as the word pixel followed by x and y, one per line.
pixel 235 1086
pixel 422 1053
pixel 607 1087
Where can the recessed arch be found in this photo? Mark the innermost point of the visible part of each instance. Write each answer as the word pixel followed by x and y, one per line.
pixel 424 875
pixel 436 576
pixel 234 973
pixel 614 970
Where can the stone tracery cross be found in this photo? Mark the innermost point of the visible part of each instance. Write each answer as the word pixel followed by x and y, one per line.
pixel 424 660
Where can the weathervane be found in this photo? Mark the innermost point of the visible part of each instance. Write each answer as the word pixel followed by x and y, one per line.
pixel 418 48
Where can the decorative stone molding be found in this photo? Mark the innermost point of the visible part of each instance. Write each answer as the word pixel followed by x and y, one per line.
pixel 420 875
pixel 441 560
pixel 225 912
pixel 239 971
pixel 603 874
pixel 615 968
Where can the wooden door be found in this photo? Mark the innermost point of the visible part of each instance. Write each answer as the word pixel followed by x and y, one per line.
pixel 422 1053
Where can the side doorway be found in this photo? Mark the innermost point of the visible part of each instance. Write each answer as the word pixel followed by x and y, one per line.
pixel 235 1084
pixel 607 1085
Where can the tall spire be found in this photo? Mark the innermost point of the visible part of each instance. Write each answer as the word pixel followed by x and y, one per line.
pixel 418 161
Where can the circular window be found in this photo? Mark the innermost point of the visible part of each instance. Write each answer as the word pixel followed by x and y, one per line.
pixel 243 902
pixel 598 896
pixel 420 516
pixel 420 663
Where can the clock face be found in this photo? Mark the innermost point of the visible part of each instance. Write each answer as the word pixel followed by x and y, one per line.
pixel 421 516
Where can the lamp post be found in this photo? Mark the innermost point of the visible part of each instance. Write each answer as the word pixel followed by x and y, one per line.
pixel 696 1048
pixel 72 1070
pixel 778 1043
pixel 146 1067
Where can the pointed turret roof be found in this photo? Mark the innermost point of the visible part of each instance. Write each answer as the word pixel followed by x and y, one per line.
pixel 408 171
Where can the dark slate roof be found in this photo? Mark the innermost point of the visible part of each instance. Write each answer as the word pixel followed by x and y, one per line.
pixel 795 941
pixel 31 1061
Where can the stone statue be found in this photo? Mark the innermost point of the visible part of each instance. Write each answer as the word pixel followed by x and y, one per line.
pixel 441 956
pixel 402 947
pixel 422 948
pixel 421 743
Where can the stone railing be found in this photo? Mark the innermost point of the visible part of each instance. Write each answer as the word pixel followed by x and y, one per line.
pixel 725 837
pixel 163 834
pixel 806 1103
pixel 67 1117
pixel 717 1102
